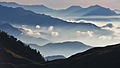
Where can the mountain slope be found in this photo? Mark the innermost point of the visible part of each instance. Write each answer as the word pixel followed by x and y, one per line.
pixel 10 29
pixel 65 12
pixel 9 4
pixel 106 57
pixel 17 32
pixel 100 57
pixel 35 8
pixel 95 10
pixel 26 17
pixel 20 16
pixel 29 39
pixel 99 11
pixel 13 53
pixel 65 48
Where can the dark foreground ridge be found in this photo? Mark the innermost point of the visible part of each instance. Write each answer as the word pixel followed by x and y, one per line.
pixel 14 54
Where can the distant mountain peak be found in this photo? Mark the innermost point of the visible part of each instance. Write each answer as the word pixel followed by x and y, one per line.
pixel 74 7
pixel 12 3
pixel 37 5
pixel 98 10
pixel 96 6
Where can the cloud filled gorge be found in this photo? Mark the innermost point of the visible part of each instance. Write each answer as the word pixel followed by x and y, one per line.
pixel 84 32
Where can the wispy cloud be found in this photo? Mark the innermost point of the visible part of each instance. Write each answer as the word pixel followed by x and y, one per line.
pixel 88 33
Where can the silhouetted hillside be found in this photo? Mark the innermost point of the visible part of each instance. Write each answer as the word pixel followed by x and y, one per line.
pixel 14 53
pixel 100 57
pixel 106 57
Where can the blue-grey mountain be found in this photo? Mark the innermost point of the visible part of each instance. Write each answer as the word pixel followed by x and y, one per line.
pixel 95 10
pixel 20 16
pixel 65 48
pixel 56 57
pixel 10 29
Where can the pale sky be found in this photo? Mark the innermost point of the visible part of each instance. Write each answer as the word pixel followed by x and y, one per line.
pixel 58 4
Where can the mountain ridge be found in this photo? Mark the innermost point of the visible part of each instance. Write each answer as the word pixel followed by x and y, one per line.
pixel 14 53
pixel 79 11
pixel 64 48
pixel 97 57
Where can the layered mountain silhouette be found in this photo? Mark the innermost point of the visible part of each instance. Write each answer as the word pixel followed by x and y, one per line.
pixel 10 29
pixel 14 54
pixel 32 40
pixel 35 8
pixel 17 32
pixel 20 16
pixel 65 48
pixel 100 57
pixel 95 10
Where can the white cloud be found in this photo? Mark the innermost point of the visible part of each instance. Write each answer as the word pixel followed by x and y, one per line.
pixel 28 31
pixel 51 28
pixel 80 21
pixel 114 29
pixel 86 21
pixel 88 33
pixel 24 26
pixel 105 37
pixel 54 33
pixel 37 26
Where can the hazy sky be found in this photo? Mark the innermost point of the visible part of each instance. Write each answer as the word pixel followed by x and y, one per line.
pixel 57 4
